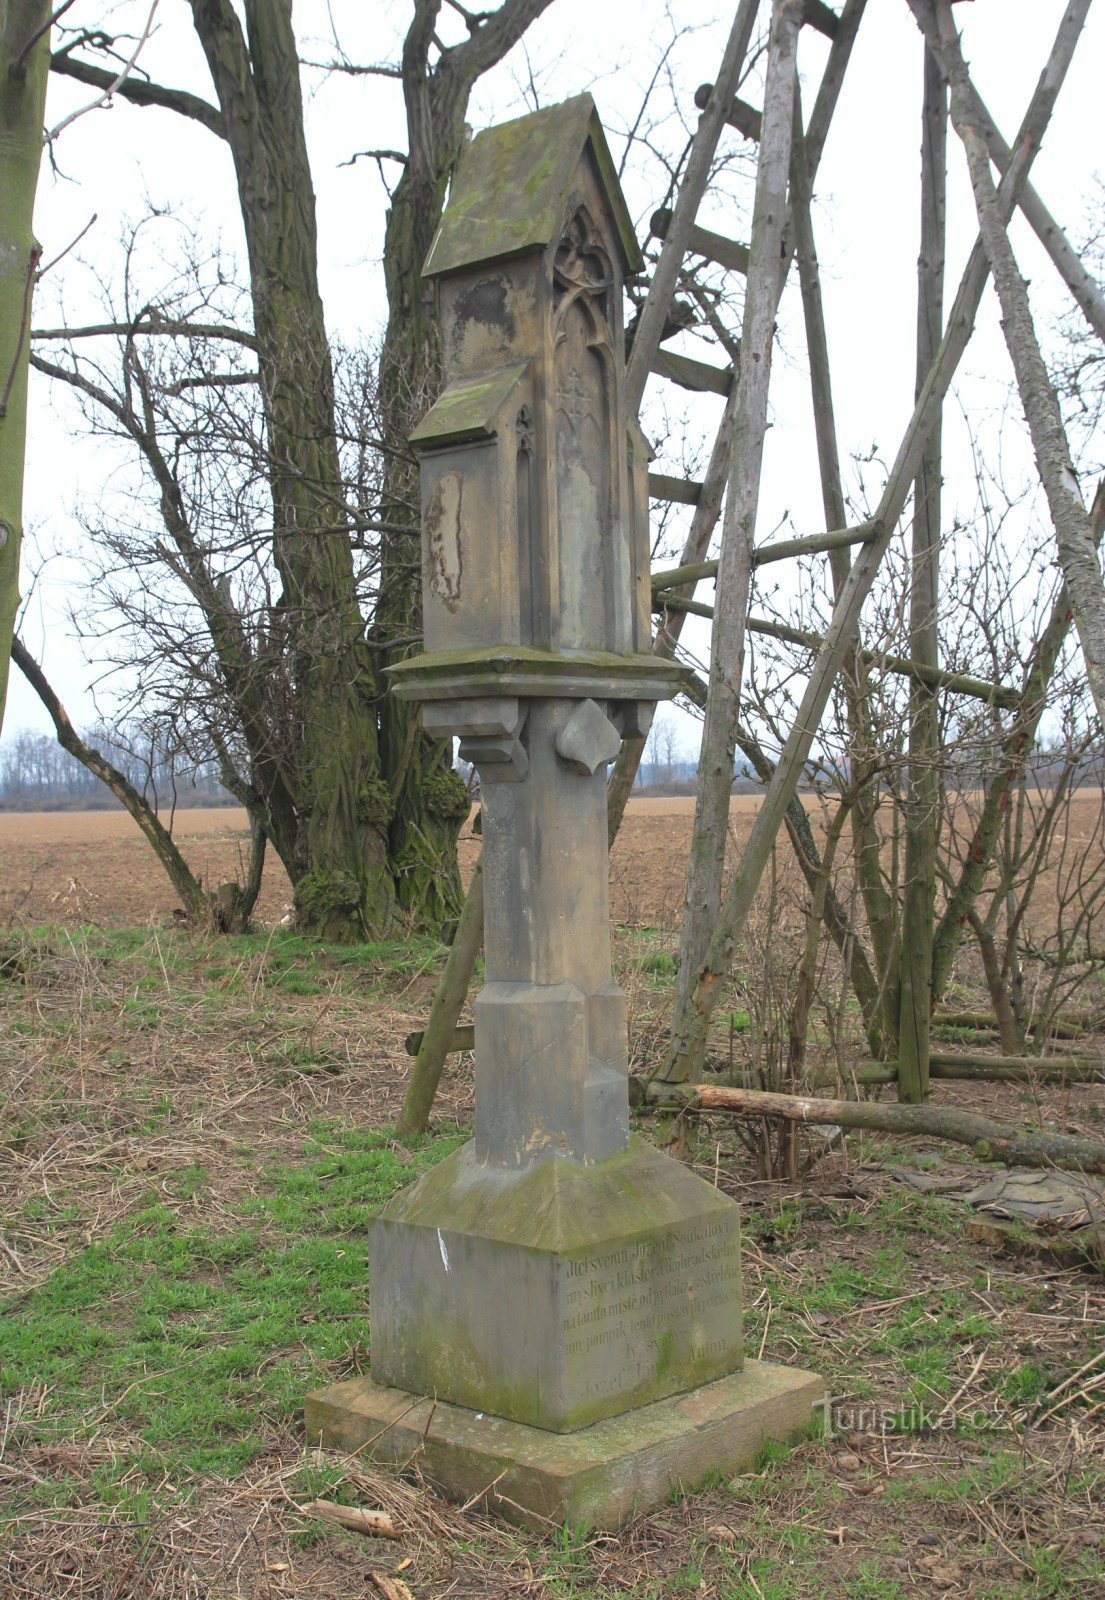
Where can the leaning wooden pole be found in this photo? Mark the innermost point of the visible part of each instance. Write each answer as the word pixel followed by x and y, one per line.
pixel 654 313
pixel 766 267
pixel 448 1002
pixel 666 637
pixel 1084 288
pixel 922 790
pixel 879 1021
pixel 1070 519
pixel 691 1027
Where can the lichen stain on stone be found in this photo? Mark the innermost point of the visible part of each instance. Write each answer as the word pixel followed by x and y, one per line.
pixel 484 303
pixel 442 527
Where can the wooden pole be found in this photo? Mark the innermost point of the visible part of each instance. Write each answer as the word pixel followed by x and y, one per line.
pixel 646 340
pixel 934 677
pixel 922 790
pixel 1084 288
pixel 448 1002
pixel 692 1024
pixel 765 285
pixel 878 907
pixel 1077 556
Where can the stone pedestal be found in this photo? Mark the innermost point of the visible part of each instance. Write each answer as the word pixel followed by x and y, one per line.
pixel 556 1294
pixel 597 1477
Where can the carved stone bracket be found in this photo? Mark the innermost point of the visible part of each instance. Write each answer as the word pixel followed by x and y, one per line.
pixel 588 740
pixel 489 731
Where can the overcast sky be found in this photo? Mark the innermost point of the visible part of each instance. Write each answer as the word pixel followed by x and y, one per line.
pixel 113 163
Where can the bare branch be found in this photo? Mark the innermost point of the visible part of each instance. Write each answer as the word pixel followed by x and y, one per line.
pixel 167 328
pixel 494 38
pixel 18 68
pixel 183 880
pixel 116 83
pixel 374 155
pixel 352 70
pixel 139 91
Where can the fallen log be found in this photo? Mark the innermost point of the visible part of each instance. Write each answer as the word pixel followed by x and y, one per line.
pixel 1000 1069
pixel 990 1141
pixel 1017 1069
pixel 1069 1026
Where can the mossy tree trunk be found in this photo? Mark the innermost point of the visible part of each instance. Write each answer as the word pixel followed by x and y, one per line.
pixel 343 887
pixel 374 806
pixel 24 63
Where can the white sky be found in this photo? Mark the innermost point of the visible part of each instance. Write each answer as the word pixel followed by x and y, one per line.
pixel 114 162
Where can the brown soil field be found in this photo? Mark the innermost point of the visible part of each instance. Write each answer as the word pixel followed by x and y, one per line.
pixel 94 866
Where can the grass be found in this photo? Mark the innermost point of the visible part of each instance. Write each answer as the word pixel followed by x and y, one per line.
pixel 192 1165
pixel 200 1341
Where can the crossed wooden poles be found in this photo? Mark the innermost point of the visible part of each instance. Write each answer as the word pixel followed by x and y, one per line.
pixel 782 232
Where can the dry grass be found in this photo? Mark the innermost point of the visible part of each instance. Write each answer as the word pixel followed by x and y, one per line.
pixel 180 1114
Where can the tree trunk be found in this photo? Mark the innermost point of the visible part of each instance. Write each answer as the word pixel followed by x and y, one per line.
pixel 24 64
pixel 343 887
pixel 429 800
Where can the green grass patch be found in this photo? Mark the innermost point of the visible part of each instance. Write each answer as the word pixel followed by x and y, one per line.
pixel 196 1339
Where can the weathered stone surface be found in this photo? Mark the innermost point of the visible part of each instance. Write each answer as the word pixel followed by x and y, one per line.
pixel 552 1274
pixel 557 1293
pixel 479 671
pixel 588 740
pixel 508 194
pixel 598 1477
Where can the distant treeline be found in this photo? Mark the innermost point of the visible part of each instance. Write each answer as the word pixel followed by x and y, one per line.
pixel 36 774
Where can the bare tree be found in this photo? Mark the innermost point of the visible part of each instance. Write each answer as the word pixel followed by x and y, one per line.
pixel 366 808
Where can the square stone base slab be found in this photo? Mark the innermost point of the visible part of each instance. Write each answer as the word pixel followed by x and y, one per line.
pixel 598 1477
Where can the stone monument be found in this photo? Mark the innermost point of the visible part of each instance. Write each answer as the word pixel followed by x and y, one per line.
pixel 566 1297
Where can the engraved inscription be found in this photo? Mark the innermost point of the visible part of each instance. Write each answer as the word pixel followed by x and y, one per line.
pixel 442 523
pixel 633 1296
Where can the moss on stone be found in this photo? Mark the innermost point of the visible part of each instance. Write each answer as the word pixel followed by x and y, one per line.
pixel 512 188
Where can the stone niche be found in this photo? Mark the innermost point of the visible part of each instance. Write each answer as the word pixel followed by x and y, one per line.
pixel 531 436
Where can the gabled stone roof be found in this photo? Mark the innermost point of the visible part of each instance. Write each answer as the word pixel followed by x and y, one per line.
pixel 511 188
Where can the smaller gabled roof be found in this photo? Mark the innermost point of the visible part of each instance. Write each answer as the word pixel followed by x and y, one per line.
pixel 511 188
pixel 468 408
